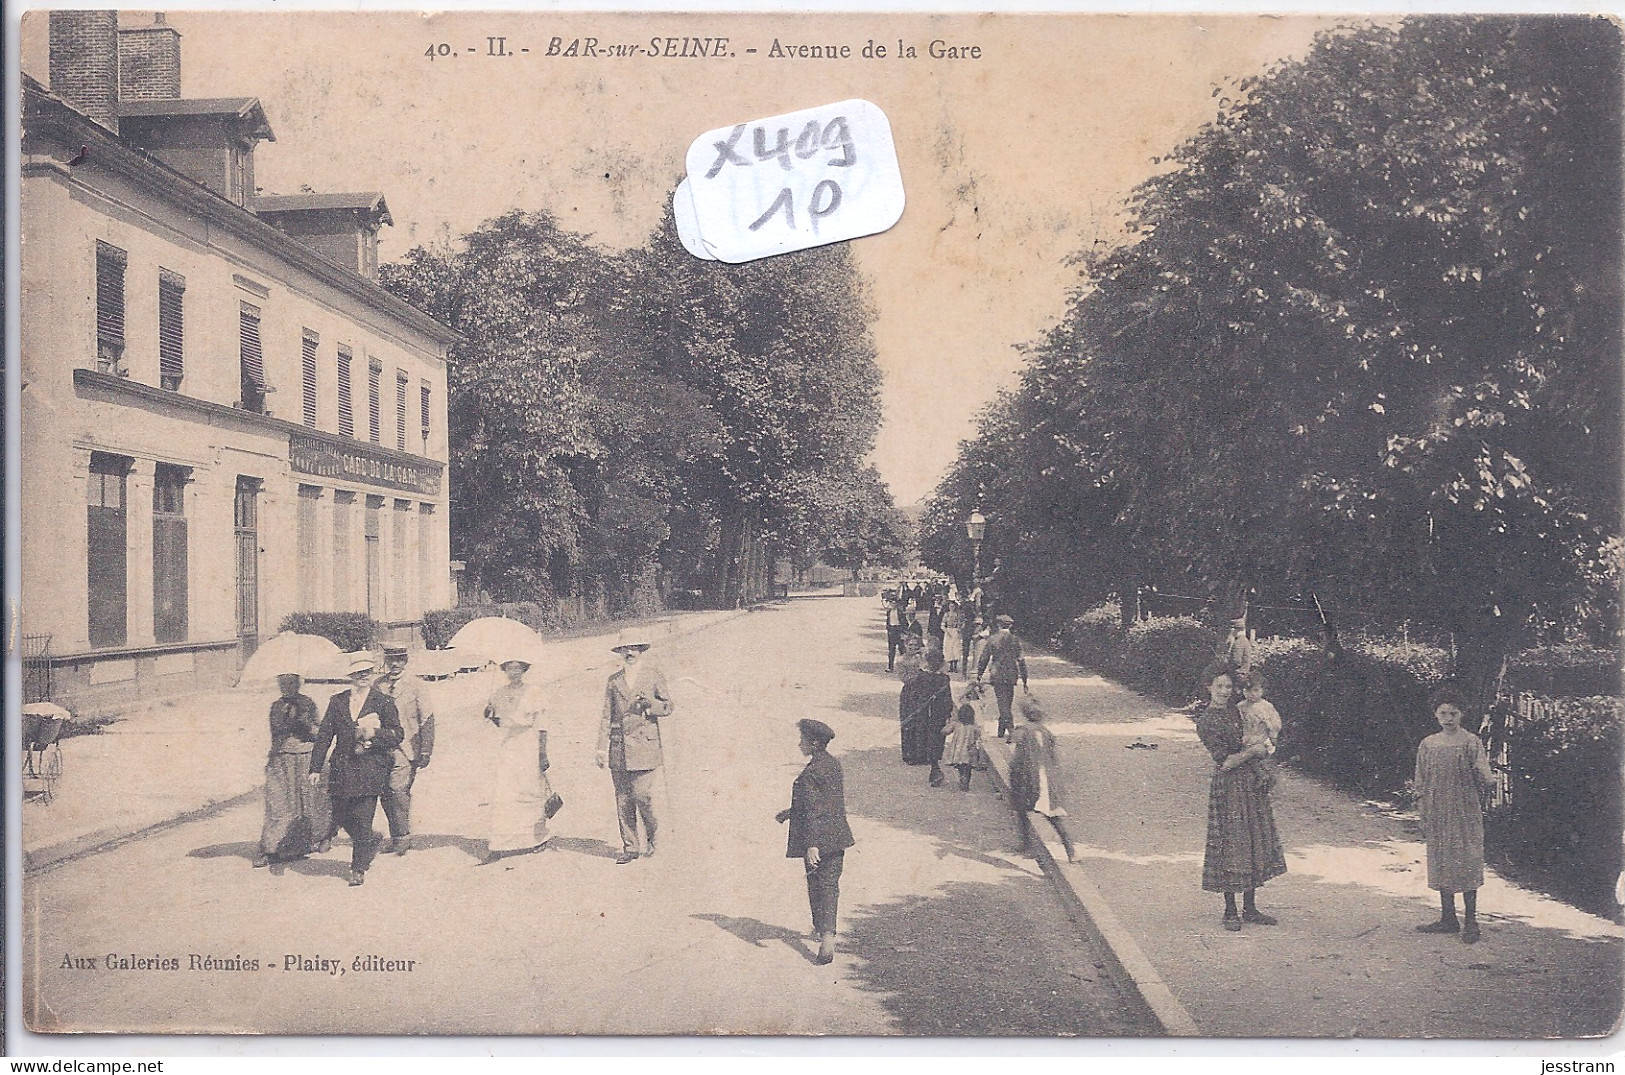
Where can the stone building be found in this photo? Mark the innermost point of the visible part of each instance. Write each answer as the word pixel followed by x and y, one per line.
pixel 224 418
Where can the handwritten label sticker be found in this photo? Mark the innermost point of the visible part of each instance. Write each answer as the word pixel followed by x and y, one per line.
pixel 770 186
pixel 688 227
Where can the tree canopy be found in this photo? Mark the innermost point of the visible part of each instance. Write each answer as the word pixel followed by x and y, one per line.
pixel 1364 340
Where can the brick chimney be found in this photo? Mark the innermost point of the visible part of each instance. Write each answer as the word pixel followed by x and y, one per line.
pixel 149 62
pixel 84 63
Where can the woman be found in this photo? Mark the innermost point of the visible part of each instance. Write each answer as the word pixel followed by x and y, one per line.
pixel 519 792
pixel 953 635
pixel 819 834
pixel 913 658
pixel 298 813
pixel 1036 784
pixel 923 708
pixel 1243 849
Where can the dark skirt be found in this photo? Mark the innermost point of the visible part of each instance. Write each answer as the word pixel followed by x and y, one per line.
pixel 1243 848
pixel 297 815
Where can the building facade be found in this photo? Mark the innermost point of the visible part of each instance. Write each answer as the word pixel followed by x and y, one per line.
pixel 224 418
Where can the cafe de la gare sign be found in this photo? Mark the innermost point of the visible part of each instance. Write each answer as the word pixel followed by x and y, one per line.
pixel 341 462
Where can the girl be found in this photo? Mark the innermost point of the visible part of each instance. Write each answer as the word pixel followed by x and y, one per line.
pixel 964 742
pixel 1452 773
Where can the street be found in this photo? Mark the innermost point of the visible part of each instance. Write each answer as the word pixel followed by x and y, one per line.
pixel 946 926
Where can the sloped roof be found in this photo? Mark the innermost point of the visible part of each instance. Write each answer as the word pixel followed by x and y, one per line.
pixel 243 108
pixel 365 201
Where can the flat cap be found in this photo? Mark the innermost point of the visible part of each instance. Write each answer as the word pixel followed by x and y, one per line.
pixel 815 729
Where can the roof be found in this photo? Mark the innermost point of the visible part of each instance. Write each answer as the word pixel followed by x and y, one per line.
pixel 243 108
pixel 48 114
pixel 366 201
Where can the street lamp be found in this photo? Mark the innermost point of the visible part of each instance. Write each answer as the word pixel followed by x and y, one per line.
pixel 976 529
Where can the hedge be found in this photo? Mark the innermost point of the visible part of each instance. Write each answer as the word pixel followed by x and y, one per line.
pixel 1356 718
pixel 349 631
pixel 1570 670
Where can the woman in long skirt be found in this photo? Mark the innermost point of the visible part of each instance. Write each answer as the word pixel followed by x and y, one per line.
pixel 953 635
pixel 298 814
pixel 518 818
pixel 1243 848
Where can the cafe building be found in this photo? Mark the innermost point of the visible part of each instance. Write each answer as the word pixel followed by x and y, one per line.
pixel 225 419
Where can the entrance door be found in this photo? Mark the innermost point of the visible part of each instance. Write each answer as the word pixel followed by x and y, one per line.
pixel 246 519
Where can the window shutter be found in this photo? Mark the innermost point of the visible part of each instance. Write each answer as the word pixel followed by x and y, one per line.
pixel 307 375
pixel 346 404
pixel 423 403
pixel 375 387
pixel 171 329
pixel 110 263
pixel 253 357
pixel 400 409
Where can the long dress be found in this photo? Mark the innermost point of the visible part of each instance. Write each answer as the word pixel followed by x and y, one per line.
pixel 1450 770
pixel 1243 848
pixel 924 707
pixel 297 815
pixel 1035 773
pixel 517 819
pixel 953 635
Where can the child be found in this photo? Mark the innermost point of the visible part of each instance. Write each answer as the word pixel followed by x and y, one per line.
pixel 964 741
pixel 1035 773
pixel 1260 728
pixel 1452 772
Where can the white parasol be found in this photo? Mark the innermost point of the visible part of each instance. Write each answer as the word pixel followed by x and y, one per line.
pixel 498 639
pixel 306 656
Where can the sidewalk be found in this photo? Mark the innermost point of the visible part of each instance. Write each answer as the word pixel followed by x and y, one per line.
pixel 1345 960
pixel 181 758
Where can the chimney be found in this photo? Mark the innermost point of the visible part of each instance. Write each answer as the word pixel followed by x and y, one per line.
pixel 84 63
pixel 149 62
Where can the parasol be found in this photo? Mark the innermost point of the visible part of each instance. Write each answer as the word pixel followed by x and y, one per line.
pixel 307 656
pixel 498 639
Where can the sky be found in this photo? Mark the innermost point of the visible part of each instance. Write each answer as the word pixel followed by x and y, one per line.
pixel 1011 162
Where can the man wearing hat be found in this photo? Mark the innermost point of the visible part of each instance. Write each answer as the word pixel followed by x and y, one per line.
pixel 635 698
pixel 1002 652
pixel 819 833
pixel 417 744
pixel 362 730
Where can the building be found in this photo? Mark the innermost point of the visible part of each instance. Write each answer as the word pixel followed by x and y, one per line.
pixel 224 418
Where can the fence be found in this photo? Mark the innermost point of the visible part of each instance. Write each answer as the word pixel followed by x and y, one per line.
pixel 36 658
pixel 1512 708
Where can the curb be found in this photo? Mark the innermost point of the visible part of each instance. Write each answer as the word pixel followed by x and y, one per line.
pixel 1090 910
pixel 45 859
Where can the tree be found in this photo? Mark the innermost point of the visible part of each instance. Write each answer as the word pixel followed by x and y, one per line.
pixel 862 526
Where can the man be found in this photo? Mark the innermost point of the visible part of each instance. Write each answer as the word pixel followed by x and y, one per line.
pixel 1002 653
pixel 894 632
pixel 417 745
pixel 363 730
pixel 635 698
pixel 1236 649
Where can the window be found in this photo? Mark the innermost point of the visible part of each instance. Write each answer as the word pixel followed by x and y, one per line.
pixel 375 377
pixel 171 330
pixel 110 262
pixel 423 406
pixel 169 553
pixel 402 600
pixel 252 359
pixel 401 383
pixel 245 531
pixel 426 560
pixel 307 376
pixel 342 522
pixel 346 406
pixel 108 549
pixel 305 538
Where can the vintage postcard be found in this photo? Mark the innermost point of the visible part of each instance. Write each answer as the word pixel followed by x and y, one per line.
pixel 1054 525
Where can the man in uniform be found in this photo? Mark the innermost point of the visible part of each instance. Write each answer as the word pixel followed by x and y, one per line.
pixel 417 745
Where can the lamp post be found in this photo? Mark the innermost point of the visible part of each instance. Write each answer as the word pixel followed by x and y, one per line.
pixel 976 529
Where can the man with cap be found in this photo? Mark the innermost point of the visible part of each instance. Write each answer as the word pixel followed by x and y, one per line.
pixel 417 745
pixel 635 698
pixel 1002 652
pixel 819 834
pixel 362 730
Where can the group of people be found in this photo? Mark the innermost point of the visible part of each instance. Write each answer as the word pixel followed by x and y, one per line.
pixel 1238 726
pixel 331 771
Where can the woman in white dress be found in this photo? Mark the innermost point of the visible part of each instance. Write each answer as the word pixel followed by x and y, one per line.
pixel 518 819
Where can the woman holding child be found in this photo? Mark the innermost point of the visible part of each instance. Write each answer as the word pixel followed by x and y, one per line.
pixel 1243 848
